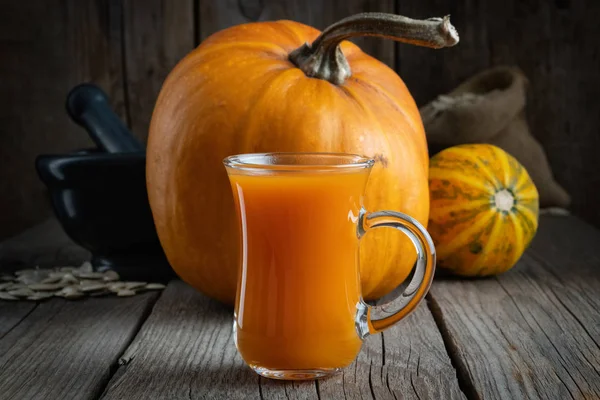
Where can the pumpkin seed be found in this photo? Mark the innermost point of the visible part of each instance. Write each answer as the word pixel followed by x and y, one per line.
pixel 7 296
pixel 68 282
pixel 40 296
pixel 54 277
pixel 87 282
pixel 85 267
pixel 29 276
pixel 116 286
pixel 25 292
pixel 47 287
pixel 16 286
pixel 24 272
pixel 73 295
pixel 110 276
pixel 91 275
pixel 27 279
pixel 126 293
pixel 51 279
pixel 92 287
pixel 68 290
pixel 135 285
pixel 154 286
pixel 69 278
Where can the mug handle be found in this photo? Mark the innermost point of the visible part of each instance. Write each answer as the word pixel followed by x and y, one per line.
pixel 376 318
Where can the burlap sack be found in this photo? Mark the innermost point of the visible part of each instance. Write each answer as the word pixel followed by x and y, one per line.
pixel 490 108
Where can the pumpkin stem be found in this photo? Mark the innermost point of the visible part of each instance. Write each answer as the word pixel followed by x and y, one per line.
pixel 324 59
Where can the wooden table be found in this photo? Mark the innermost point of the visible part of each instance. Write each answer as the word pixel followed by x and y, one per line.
pixel 531 333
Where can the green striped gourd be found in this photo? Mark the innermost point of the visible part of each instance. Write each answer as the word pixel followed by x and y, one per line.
pixel 484 209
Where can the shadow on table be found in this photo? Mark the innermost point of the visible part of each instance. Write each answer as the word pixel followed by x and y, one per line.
pixel 445 275
pixel 238 381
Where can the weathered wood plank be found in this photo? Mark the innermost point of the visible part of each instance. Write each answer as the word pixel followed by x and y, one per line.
pixel 554 42
pixel 568 245
pixel 408 361
pixel 356 381
pixel 568 249
pixel 416 361
pixel 12 313
pixel 185 350
pixel 214 16
pixel 67 350
pixel 188 338
pixel 157 34
pixel 428 73
pixel 47 48
pixel 515 335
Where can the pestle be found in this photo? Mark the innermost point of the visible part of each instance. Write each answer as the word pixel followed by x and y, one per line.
pixel 89 107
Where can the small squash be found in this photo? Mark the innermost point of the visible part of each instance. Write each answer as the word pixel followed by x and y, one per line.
pixel 484 209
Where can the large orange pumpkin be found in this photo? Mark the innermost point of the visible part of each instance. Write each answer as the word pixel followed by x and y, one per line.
pixel 260 87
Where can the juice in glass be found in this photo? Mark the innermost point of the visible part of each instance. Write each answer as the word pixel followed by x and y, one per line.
pixel 299 312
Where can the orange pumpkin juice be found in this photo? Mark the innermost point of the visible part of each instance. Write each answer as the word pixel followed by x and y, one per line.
pixel 298 287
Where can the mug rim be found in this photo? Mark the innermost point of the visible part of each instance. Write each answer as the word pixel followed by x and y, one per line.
pixel 298 161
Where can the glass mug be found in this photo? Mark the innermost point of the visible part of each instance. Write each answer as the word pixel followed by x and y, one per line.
pixel 299 312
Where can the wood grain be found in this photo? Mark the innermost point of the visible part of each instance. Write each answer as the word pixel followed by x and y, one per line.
pixel 416 361
pixel 361 378
pixel 185 350
pixel 47 48
pixel 568 249
pixel 66 350
pixel 428 73
pixel 12 313
pixel 408 361
pixel 214 16
pixel 517 336
pixel 157 34
pixel 554 43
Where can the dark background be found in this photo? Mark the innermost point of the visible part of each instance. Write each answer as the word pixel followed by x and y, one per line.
pixel 129 46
